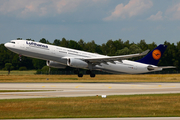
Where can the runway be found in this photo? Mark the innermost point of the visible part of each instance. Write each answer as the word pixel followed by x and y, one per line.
pixel 85 89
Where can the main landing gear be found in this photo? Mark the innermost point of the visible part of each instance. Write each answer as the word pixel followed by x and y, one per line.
pixel 87 72
pixel 90 73
pixel 78 73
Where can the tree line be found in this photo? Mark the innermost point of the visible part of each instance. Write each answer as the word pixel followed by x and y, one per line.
pixel 171 56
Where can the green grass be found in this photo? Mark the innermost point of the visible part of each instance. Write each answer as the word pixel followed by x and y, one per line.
pixel 16 72
pixel 29 77
pixel 166 105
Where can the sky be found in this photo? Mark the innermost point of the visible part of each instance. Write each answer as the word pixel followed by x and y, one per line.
pixel 99 20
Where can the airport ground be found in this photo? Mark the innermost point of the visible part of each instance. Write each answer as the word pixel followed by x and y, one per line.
pixel 30 77
pixel 63 96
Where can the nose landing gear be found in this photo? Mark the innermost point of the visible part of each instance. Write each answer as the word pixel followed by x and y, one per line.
pixel 20 57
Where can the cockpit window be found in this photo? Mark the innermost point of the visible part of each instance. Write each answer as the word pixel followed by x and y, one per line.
pixel 13 42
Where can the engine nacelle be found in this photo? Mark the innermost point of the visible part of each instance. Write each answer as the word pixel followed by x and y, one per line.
pixel 72 62
pixel 55 64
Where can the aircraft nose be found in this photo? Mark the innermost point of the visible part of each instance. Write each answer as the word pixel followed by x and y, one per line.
pixel 6 45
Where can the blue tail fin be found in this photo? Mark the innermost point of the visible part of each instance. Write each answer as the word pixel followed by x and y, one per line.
pixel 154 56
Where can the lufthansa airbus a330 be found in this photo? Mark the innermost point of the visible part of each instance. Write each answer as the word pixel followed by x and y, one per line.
pixel 61 57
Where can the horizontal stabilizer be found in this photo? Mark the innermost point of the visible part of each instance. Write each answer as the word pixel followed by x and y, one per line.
pixel 150 68
pixel 166 67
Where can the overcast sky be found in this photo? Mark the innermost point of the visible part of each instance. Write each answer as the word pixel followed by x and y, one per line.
pixel 99 20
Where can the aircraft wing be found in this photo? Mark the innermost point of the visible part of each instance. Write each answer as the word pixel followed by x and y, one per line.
pixel 111 59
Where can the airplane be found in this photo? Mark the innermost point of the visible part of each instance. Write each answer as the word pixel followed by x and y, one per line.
pixel 61 57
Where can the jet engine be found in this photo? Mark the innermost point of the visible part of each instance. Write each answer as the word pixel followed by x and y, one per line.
pixel 55 64
pixel 73 62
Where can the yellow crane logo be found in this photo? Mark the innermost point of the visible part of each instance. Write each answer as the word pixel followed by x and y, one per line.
pixel 156 54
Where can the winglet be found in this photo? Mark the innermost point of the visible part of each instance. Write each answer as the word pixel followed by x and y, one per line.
pixel 154 56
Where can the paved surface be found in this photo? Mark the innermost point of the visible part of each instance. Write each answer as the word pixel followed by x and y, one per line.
pixel 85 89
pixel 89 89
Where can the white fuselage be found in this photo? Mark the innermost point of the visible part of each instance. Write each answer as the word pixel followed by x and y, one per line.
pixel 60 55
